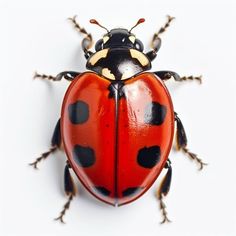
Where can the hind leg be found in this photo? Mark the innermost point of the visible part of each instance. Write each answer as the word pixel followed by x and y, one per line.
pixel 163 191
pixel 55 144
pixel 69 189
pixel 182 142
pixel 68 181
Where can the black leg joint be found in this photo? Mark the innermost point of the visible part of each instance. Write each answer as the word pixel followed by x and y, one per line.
pixel 85 45
pixel 151 55
pixel 68 182
pixel 56 138
pixel 180 135
pixel 165 187
pixel 87 54
pixel 68 75
pixel 156 45
pixel 166 75
pixel 168 164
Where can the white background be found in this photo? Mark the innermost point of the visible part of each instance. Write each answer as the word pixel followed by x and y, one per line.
pixel 35 35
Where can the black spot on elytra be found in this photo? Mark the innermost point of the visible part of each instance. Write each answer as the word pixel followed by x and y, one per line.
pixel 148 157
pixel 131 191
pixel 102 190
pixel 78 112
pixel 84 156
pixel 155 113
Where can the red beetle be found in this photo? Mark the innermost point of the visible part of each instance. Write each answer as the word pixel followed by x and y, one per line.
pixel 117 121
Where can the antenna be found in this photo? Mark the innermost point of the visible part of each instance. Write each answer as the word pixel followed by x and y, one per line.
pixel 140 21
pixel 93 21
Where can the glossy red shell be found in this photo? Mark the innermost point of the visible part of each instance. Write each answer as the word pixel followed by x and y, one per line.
pixel 116 141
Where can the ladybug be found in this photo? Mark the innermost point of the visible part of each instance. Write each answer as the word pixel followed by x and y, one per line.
pixel 117 120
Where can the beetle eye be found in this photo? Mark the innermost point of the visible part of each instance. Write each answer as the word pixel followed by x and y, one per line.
pixel 138 45
pixel 99 45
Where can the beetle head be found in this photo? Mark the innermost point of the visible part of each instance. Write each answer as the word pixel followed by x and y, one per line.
pixel 119 38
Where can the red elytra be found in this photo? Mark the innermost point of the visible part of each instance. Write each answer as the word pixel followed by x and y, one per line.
pixel 110 145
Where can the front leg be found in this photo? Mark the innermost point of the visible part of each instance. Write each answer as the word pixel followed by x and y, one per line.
pixel 68 75
pixel 87 41
pixel 166 75
pixel 156 40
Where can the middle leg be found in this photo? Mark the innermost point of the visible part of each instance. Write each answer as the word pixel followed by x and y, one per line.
pixel 69 188
pixel 68 75
pixel 166 75
pixel 55 144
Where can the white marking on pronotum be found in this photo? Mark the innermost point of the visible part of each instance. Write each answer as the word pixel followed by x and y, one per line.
pixel 107 73
pixel 139 56
pixel 97 56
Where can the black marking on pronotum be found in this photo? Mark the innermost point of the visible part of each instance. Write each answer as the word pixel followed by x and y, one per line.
pixel 148 157
pixel 78 112
pixel 155 113
pixel 131 191
pixel 116 87
pixel 102 190
pixel 84 156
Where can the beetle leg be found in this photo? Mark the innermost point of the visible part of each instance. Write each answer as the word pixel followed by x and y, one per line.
pixel 163 191
pixel 69 188
pixel 166 75
pixel 181 139
pixel 68 75
pixel 87 42
pixel 55 144
pixel 162 30
pixel 156 40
